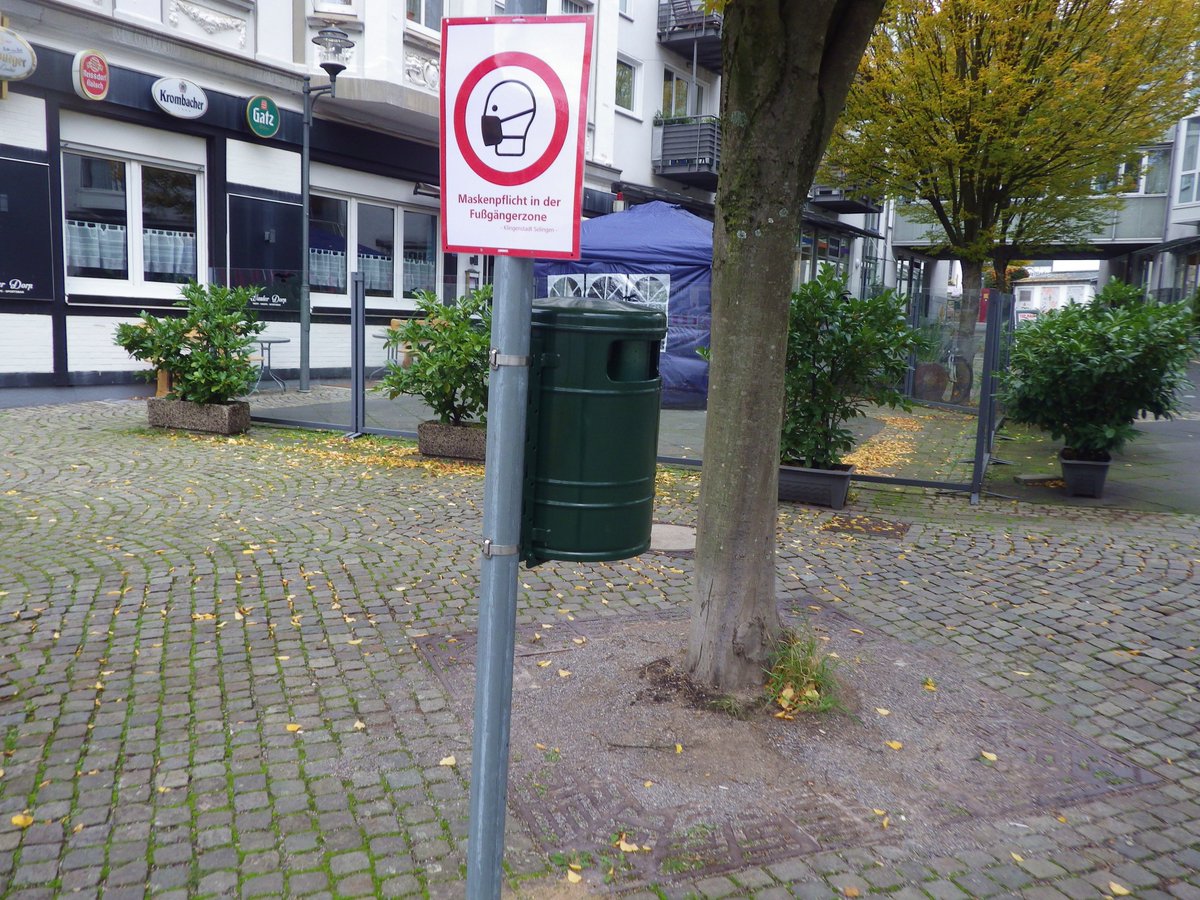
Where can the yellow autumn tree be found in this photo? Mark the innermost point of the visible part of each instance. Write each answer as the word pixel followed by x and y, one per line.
pixel 996 118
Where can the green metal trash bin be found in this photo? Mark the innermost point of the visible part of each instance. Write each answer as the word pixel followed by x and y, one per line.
pixel 591 430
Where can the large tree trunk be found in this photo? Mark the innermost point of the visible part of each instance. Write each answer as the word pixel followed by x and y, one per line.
pixel 964 339
pixel 788 66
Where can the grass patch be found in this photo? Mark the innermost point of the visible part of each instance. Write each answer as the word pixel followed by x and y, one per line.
pixel 801 677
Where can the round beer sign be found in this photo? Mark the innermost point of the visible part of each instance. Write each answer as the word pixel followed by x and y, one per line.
pixel 262 115
pixel 17 58
pixel 90 75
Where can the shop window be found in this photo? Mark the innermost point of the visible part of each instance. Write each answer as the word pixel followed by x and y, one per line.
pixel 327 245
pixel 371 228
pixel 420 253
pixel 376 248
pixel 129 224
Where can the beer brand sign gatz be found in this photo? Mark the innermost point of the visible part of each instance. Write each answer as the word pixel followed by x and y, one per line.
pixel 262 115
pixel 179 97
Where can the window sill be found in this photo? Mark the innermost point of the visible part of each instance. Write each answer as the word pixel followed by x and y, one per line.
pixel 628 114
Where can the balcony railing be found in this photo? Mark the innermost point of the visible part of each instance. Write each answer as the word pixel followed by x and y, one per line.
pixel 839 201
pixel 685 28
pixel 688 150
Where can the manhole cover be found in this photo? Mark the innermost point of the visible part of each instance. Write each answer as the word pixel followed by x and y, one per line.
pixel 602 757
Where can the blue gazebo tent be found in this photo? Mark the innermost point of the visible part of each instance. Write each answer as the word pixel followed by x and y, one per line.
pixel 657 254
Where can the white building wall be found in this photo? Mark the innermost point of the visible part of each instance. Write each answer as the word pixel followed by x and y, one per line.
pixel 26 344
pixel 90 346
pixel 24 122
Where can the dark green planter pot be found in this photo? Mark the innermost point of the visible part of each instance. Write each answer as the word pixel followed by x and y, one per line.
pixel 820 487
pixel 1084 477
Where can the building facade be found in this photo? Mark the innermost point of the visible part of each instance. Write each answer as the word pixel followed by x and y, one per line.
pixel 158 141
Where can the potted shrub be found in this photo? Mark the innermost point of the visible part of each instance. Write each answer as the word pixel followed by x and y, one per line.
pixel 842 353
pixel 205 353
pixel 1084 374
pixel 447 351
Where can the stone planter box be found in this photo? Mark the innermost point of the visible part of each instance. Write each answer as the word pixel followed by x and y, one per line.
pixel 216 418
pixel 820 487
pixel 452 441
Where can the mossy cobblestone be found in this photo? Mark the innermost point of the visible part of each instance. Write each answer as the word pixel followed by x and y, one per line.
pixel 173 603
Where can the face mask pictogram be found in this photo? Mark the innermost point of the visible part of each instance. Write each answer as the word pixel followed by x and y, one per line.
pixel 508 113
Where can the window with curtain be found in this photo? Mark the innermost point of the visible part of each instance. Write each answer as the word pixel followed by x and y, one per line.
pixel 129 220
pixel 376 248
pixel 420 253
pixel 327 233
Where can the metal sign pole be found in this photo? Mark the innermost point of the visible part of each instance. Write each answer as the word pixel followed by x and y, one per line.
pixel 508 389
pixel 358 355
pixel 502 485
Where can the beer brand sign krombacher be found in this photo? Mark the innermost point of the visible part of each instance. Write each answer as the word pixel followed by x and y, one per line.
pixel 179 97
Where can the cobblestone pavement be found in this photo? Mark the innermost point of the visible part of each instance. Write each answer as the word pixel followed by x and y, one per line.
pixel 208 684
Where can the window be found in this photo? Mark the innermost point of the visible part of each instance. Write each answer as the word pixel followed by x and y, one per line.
pixel 626 7
pixel 1141 173
pixel 1189 168
pixel 681 96
pixel 576 8
pixel 427 13
pixel 337 224
pixel 627 83
pixel 130 225
pixel 420 253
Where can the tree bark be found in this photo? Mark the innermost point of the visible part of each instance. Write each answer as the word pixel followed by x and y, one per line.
pixel 787 67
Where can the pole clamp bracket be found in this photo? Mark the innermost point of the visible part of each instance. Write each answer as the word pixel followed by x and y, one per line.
pixel 490 549
pixel 496 359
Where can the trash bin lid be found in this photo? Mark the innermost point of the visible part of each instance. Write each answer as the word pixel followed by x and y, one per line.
pixel 587 313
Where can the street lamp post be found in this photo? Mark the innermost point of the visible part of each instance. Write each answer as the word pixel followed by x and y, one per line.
pixel 335 48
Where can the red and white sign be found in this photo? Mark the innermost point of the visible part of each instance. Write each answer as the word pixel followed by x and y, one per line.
pixel 514 101
pixel 90 75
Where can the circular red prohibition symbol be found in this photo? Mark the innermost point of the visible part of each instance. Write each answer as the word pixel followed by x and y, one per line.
pixel 557 138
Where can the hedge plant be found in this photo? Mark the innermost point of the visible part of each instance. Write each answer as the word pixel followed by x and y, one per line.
pixel 207 351
pixel 1084 374
pixel 449 346
pixel 842 353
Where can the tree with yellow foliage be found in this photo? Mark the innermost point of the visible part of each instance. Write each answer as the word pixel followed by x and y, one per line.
pixel 997 118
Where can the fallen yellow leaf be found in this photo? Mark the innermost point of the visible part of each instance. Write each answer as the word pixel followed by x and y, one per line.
pixel 540 746
pixel 1018 672
pixel 625 847
pixel 293 727
pixel 648 784
pixel 283 658
pixel 929 684
pixel 857 631
pixel 448 761
pixel 882 711
pixel 678 749
pixel 22 821
pixel 1017 857
pixel 574 877
pixel 359 725
pixel 990 757
pixel 355 642
pixel 851 892
pixel 542 663
pixel 564 673
pixel 895 745
pixel 576 867
pixel 886 821
pixel 879 812
pixel 1118 890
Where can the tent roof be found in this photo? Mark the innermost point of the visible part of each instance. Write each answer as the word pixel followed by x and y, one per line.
pixel 648 234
